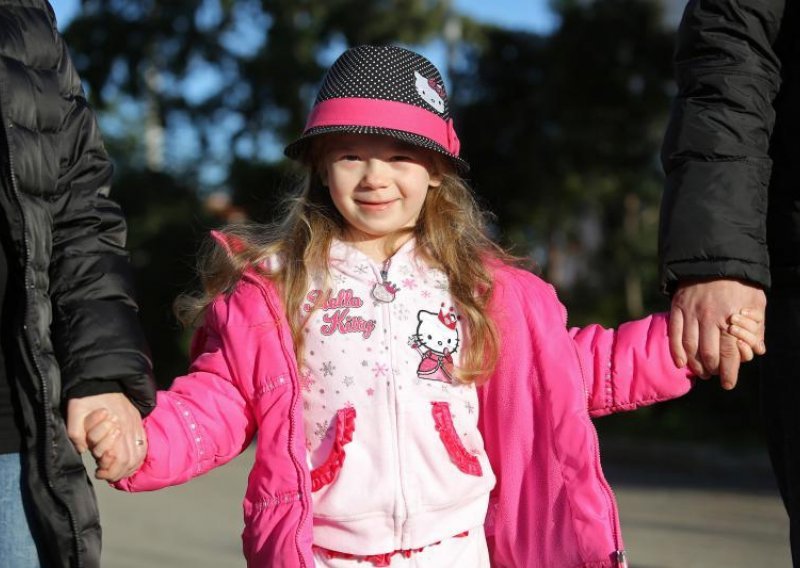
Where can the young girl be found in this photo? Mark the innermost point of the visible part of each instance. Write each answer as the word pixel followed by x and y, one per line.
pixel 418 400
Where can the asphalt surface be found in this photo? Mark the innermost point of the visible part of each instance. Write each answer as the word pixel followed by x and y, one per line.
pixel 681 507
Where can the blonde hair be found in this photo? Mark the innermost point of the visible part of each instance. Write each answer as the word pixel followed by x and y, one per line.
pixel 451 235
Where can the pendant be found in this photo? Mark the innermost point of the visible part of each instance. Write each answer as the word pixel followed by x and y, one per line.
pixel 384 292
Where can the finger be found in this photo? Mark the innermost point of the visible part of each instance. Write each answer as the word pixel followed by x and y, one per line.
pixel 109 474
pixel 106 443
pixel 709 346
pixel 676 336
pixel 96 417
pixel 747 323
pixel 99 432
pixel 690 342
pixel 745 351
pixel 752 339
pixel 729 361
pixel 754 314
pixel 75 428
pixel 107 460
pixel 110 466
pixel 753 324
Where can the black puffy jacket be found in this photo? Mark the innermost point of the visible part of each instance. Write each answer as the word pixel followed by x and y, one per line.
pixel 731 206
pixel 76 328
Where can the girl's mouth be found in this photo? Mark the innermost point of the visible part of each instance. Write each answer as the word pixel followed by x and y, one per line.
pixel 375 205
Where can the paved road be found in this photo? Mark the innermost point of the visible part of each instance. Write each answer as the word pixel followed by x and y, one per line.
pixel 709 511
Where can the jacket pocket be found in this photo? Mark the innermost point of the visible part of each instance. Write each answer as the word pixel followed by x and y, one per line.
pixel 327 472
pixel 459 455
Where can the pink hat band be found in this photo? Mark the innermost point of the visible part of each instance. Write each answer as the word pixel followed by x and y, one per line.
pixel 379 113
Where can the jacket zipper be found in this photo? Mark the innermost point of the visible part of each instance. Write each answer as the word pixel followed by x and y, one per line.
pixel 290 356
pixel 45 416
pixel 619 554
pixel 403 519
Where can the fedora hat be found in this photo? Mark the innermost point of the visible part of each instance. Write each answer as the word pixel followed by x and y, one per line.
pixel 384 90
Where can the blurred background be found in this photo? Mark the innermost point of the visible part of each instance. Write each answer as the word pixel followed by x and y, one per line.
pixel 560 107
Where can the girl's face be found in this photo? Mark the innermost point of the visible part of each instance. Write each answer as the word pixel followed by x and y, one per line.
pixel 378 184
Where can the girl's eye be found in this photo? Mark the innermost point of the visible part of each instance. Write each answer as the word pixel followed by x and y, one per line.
pixel 350 158
pixel 401 158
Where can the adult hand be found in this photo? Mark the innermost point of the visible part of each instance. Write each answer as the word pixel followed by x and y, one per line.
pixel 129 447
pixel 698 326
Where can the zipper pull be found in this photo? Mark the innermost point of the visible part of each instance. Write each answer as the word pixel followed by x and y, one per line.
pixel 622 559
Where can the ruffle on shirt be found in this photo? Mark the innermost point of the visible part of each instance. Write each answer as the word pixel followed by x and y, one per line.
pixel 463 460
pixel 384 559
pixel 327 472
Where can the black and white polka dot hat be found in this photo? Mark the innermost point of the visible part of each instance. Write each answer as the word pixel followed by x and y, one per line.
pixel 384 90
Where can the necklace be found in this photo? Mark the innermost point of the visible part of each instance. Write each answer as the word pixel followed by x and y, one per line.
pixel 385 291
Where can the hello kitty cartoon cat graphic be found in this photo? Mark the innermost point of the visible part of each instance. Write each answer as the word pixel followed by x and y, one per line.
pixel 436 340
pixel 430 91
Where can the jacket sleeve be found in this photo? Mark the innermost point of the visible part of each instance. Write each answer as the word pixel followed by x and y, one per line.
pixel 204 420
pixel 96 332
pixel 714 207
pixel 629 367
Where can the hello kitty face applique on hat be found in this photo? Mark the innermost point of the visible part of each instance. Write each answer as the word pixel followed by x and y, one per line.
pixel 384 90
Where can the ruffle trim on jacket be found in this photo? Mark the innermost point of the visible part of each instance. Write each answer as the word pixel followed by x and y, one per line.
pixel 384 559
pixel 463 460
pixel 327 472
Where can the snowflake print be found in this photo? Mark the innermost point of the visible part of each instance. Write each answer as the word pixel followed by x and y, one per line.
pixel 380 370
pixel 340 278
pixel 364 363
pixel 425 294
pixel 403 312
pixel 306 380
pixel 362 268
pixel 370 391
pixel 405 270
pixel 348 381
pixel 410 283
pixel 327 369
pixel 321 429
pixel 469 407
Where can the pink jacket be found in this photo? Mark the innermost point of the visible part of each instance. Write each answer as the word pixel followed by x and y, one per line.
pixel 552 506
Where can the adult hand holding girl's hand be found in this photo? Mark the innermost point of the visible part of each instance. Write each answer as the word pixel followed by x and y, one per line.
pixel 104 439
pixel 111 419
pixel 700 327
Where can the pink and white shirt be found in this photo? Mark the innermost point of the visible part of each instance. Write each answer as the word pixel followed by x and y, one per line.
pixel 397 460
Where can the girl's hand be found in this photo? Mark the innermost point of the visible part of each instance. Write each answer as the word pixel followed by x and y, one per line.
pixel 748 328
pixel 102 436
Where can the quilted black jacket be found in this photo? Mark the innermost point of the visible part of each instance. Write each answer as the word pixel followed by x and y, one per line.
pixel 76 324
pixel 731 206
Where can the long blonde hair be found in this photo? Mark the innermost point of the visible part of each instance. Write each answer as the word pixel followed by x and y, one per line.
pixel 451 235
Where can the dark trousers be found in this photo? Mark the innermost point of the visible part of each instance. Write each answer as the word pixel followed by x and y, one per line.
pixel 780 384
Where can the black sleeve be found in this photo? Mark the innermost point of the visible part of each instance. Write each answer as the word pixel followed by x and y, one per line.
pixel 96 331
pixel 715 151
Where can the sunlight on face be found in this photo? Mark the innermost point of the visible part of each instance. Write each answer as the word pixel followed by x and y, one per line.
pixel 378 184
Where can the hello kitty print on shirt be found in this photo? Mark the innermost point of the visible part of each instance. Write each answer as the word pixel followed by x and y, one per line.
pixel 430 91
pixel 340 320
pixel 436 340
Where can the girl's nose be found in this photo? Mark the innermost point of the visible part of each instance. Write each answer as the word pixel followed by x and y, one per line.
pixel 375 173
